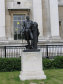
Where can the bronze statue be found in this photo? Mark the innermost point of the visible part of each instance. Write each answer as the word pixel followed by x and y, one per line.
pixel 35 32
pixel 31 33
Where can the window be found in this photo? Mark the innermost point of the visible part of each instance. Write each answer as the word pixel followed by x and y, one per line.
pixel 18 22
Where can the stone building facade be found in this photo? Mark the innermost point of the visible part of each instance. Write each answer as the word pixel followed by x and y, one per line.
pixel 48 14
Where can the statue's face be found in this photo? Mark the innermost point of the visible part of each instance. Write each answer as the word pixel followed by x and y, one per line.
pixel 27 17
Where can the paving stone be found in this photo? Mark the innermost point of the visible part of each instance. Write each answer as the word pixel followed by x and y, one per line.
pixel 33 83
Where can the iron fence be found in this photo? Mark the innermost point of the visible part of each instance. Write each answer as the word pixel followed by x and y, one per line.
pixel 48 51
pixel 11 51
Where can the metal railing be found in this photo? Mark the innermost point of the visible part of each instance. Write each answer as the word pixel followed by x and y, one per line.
pixel 11 51
pixel 48 51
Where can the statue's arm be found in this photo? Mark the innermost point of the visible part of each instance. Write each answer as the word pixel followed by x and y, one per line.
pixel 23 24
pixel 23 27
pixel 32 24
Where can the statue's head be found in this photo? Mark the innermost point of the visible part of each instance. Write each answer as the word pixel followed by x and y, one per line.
pixel 27 17
pixel 35 24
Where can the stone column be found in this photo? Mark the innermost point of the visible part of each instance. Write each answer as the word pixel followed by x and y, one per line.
pixel 54 18
pixel 37 14
pixel 2 19
pixel 46 19
pixel 61 29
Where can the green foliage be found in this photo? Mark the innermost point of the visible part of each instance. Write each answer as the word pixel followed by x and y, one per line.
pixel 14 64
pixel 58 62
pixel 47 63
pixel 10 64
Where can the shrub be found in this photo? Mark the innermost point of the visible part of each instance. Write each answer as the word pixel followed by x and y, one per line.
pixel 58 62
pixel 47 63
pixel 14 64
pixel 10 64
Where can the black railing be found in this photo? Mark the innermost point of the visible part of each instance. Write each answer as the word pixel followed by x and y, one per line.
pixel 11 51
pixel 48 51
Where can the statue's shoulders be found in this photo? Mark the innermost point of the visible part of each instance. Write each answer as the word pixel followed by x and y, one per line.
pixel 31 21
pixel 25 22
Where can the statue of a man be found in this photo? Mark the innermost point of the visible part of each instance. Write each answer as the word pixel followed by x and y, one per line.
pixel 31 33
pixel 27 26
pixel 35 32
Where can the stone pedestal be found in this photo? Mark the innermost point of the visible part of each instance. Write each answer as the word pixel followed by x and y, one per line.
pixel 31 63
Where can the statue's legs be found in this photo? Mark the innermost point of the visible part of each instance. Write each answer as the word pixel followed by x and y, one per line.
pixel 31 37
pixel 27 38
pixel 35 39
pixel 28 42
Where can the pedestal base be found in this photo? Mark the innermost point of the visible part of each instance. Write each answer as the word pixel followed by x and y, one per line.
pixel 32 75
pixel 31 66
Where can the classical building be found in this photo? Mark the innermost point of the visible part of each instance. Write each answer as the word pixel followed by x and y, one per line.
pixel 48 14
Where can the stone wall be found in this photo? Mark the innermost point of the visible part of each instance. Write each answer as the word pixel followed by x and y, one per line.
pixel 46 17
pixel 9 14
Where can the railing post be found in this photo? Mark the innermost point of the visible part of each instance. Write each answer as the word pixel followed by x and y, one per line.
pixel 5 51
pixel 47 51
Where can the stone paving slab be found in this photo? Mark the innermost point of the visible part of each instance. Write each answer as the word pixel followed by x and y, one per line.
pixel 39 83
